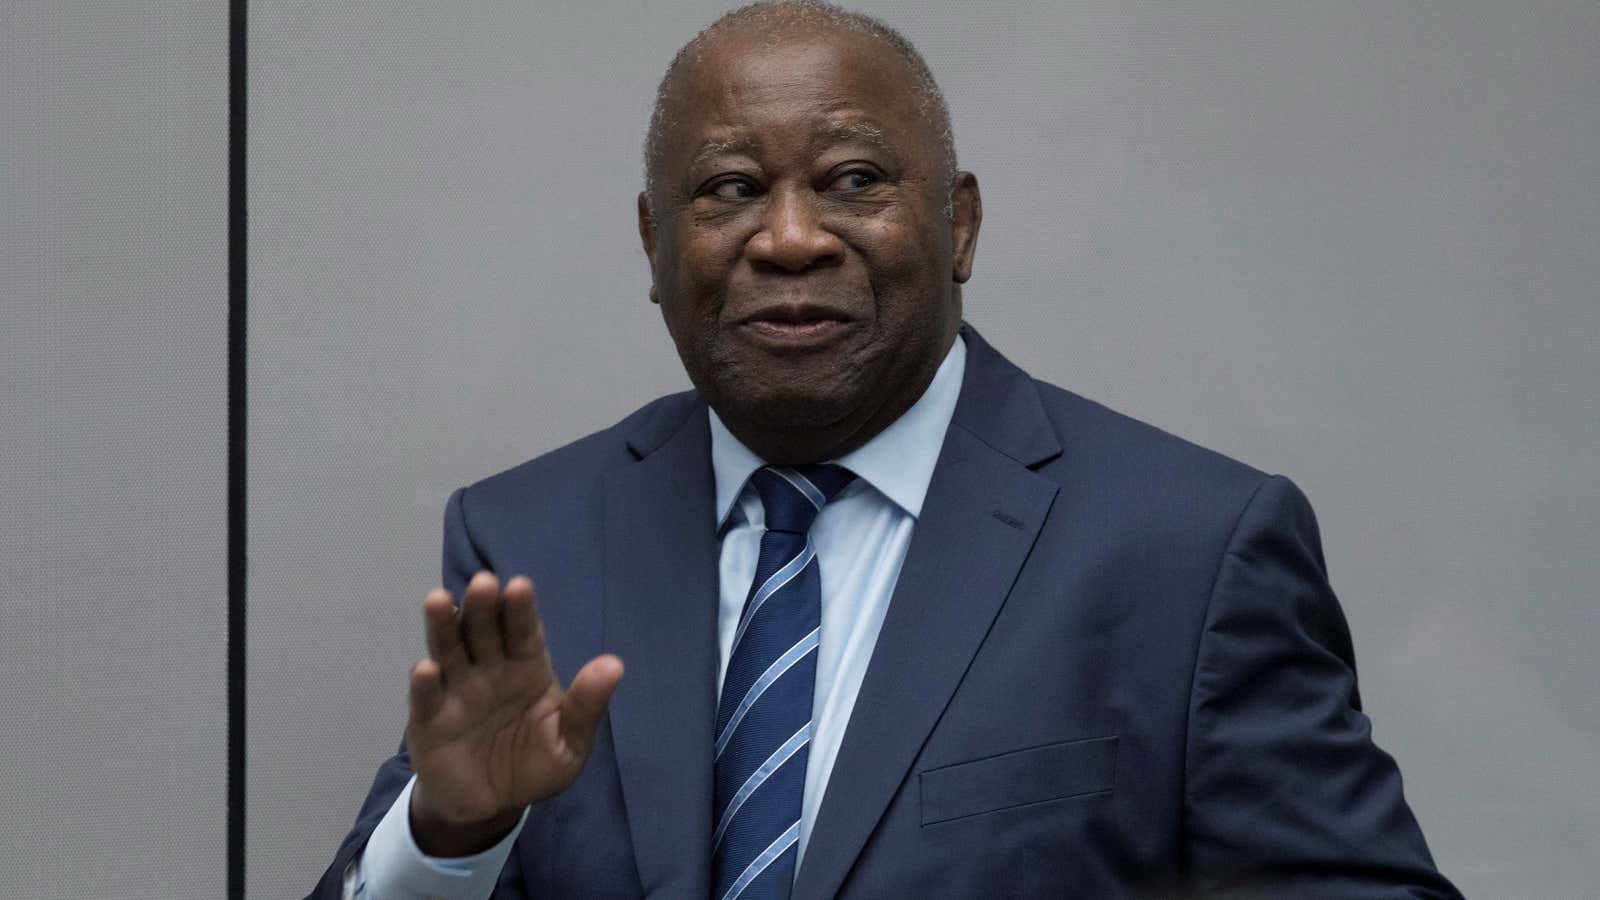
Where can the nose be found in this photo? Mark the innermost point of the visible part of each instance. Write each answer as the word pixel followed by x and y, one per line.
pixel 793 236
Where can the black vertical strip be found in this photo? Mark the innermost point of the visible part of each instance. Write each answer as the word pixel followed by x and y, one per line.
pixel 237 497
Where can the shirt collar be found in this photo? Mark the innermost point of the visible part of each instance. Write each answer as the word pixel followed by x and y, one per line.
pixel 898 461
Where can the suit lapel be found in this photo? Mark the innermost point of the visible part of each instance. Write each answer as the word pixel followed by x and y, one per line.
pixel 661 619
pixel 983 510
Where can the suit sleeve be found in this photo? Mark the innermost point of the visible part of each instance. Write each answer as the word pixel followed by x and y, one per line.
pixel 461 562
pixel 1285 792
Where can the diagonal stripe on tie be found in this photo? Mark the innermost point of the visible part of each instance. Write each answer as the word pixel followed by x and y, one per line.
pixel 760 864
pixel 764 714
pixel 782 664
pixel 786 573
pixel 772 764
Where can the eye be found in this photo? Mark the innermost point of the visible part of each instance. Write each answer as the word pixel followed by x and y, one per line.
pixel 734 189
pixel 854 180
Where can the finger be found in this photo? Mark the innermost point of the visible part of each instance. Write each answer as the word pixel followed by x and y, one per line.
pixel 585 702
pixel 427 691
pixel 480 619
pixel 519 620
pixel 443 632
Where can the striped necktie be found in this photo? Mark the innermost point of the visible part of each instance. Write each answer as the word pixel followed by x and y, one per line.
pixel 764 716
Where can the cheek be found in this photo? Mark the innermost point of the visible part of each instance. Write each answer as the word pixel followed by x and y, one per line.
pixel 693 279
pixel 901 256
pixel 877 237
pixel 910 269
pixel 710 250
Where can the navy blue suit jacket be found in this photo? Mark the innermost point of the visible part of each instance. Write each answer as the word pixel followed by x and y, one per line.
pixel 1112 666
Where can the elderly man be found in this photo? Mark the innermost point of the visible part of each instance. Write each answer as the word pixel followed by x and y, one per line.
pixel 898 620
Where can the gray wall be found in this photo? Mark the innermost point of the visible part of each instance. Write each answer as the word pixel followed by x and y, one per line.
pixel 113 322
pixel 1351 242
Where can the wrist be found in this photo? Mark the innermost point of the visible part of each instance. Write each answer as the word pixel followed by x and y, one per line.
pixel 439 836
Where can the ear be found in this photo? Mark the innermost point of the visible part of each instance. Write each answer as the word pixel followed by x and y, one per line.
pixel 967 217
pixel 647 237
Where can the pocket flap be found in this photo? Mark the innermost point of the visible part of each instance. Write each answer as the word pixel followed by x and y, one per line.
pixel 1034 775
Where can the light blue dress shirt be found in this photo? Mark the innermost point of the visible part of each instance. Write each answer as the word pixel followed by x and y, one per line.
pixel 861 538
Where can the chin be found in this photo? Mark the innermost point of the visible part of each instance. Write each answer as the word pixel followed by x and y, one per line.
pixel 787 410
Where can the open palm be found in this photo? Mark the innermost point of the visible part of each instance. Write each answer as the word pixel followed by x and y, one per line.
pixel 491 730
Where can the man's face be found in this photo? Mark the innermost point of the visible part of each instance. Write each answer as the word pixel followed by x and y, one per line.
pixel 801 248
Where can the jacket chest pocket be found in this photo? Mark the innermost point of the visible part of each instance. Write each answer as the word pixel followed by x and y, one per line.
pixel 1035 775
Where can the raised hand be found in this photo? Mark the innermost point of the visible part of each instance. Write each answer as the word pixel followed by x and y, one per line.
pixel 491 730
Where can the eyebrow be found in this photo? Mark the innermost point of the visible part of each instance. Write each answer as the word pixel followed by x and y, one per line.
pixel 845 132
pixel 709 149
pixel 858 132
pixel 862 132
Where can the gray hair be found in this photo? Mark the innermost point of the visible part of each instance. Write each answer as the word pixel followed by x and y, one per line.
pixel 774 15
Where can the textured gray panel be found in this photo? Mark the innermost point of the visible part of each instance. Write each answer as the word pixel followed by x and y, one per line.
pixel 113 428
pixel 1349 242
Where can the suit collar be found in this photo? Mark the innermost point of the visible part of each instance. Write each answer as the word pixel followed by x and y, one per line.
pixel 648 429
pixel 1000 405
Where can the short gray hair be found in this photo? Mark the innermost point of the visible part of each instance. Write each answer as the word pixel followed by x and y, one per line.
pixel 773 15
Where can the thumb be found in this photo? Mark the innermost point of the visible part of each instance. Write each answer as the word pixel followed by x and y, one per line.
pixel 586 699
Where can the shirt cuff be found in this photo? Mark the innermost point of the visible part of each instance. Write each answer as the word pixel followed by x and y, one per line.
pixel 393 866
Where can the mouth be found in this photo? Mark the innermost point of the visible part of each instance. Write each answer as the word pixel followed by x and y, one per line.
pixel 796 326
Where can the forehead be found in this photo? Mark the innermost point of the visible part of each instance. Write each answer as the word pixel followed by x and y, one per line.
pixel 748 84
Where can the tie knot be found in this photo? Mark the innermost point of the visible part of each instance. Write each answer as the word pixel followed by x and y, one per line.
pixel 793 495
